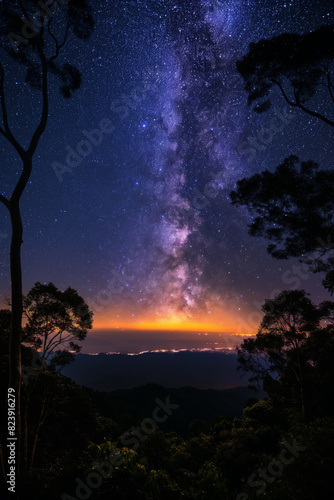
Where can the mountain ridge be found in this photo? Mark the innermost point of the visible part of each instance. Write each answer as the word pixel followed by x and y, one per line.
pixel 199 369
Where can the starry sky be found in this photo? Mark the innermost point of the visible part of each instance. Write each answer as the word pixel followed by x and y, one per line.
pixel 129 201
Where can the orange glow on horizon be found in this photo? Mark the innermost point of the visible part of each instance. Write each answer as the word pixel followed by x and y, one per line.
pixel 173 324
pixel 163 325
pixel 222 318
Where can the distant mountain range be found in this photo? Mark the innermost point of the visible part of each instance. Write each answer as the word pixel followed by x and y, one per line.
pixel 124 387
pixel 202 370
pixel 129 407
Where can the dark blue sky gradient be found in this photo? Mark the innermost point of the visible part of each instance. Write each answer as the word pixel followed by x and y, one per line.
pixel 142 226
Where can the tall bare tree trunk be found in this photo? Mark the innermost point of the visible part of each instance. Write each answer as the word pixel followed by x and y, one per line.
pixel 16 330
pixel 23 11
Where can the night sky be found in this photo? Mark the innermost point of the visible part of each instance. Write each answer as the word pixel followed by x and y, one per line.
pixel 139 219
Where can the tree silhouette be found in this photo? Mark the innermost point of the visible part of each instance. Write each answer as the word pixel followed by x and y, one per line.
pixel 55 319
pixel 299 66
pixel 293 207
pixel 278 352
pixel 5 321
pixel 38 52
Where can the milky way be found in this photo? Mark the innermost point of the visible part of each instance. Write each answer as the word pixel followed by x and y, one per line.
pixel 142 226
pixel 194 135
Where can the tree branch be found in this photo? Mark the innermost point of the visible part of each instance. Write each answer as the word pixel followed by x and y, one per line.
pixel 61 45
pixel 7 133
pixel 4 200
pixel 329 86
pixel 302 107
pixel 291 103
pixel 45 99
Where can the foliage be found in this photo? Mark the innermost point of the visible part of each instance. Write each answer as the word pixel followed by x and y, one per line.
pixel 55 319
pixel 291 354
pixel 213 461
pixel 293 207
pixel 299 66
pixel 40 49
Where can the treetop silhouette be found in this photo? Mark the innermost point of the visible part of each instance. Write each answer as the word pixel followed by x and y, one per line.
pixel 293 207
pixel 55 319
pixel 299 66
